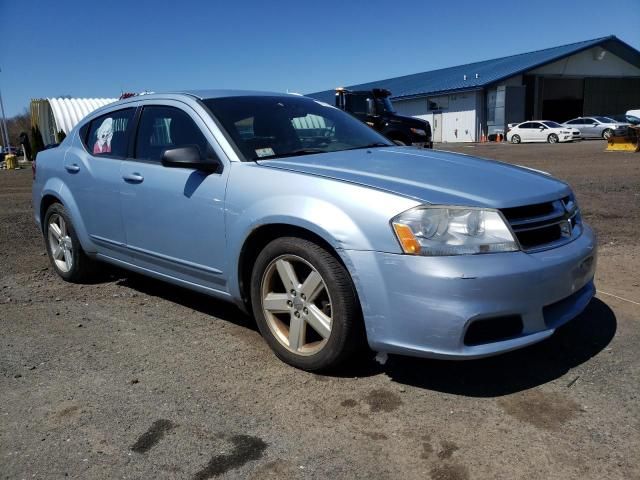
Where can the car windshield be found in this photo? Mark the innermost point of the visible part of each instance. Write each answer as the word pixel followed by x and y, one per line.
pixel 552 124
pixel 605 119
pixel 265 127
pixel 386 104
pixel 633 120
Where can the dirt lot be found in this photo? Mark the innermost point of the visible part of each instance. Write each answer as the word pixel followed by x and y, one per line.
pixel 132 378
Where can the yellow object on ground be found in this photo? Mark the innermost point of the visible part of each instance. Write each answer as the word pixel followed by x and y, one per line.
pixel 10 161
pixel 629 143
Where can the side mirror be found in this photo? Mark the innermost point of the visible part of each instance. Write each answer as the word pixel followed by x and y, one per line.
pixel 189 157
pixel 371 107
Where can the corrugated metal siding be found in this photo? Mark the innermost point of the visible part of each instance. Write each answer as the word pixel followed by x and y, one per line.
pixel 55 114
pixel 67 112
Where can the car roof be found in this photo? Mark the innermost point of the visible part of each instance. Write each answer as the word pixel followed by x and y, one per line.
pixel 194 94
pixel 207 94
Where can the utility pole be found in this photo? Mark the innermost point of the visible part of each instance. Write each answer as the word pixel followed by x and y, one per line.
pixel 4 122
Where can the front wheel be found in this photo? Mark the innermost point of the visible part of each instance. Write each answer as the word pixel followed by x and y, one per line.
pixel 516 139
pixel 305 304
pixel 607 134
pixel 553 138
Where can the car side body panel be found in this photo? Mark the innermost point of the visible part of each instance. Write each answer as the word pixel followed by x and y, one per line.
pixel 338 212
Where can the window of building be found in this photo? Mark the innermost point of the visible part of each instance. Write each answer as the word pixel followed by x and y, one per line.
pixel 491 105
pixel 438 103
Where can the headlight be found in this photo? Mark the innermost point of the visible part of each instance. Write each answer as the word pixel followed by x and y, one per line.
pixel 438 231
pixel 419 131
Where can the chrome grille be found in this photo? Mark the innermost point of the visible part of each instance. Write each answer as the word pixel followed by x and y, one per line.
pixel 545 225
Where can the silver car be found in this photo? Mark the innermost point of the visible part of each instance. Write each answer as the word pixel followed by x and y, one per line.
pixel 595 127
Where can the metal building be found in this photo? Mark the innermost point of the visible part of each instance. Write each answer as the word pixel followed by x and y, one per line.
pixel 54 115
pixel 594 77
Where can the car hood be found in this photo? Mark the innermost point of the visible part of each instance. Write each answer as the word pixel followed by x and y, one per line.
pixel 408 121
pixel 431 176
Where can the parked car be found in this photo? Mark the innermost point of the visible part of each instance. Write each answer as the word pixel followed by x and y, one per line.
pixel 625 118
pixel 595 127
pixel 625 121
pixel 634 113
pixel 541 131
pixel 330 235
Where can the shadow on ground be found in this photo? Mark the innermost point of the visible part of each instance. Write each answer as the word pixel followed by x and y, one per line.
pixel 187 298
pixel 571 345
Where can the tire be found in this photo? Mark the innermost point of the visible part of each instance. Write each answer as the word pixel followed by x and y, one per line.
pixel 516 139
pixel 553 138
pixel 63 247
pixel 324 286
pixel 607 133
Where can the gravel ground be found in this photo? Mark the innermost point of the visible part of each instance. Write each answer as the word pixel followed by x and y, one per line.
pixel 133 378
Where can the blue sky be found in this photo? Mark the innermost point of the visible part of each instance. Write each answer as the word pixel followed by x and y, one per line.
pixel 98 49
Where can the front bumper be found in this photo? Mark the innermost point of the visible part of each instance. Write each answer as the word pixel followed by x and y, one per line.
pixel 568 137
pixel 423 306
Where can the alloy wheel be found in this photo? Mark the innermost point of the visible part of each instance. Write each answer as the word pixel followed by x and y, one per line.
pixel 60 243
pixel 298 312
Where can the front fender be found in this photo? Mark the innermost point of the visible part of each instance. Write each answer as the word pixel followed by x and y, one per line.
pixel 55 187
pixel 347 216
pixel 318 216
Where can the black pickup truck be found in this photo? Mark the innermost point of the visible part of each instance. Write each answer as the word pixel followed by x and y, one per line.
pixel 375 109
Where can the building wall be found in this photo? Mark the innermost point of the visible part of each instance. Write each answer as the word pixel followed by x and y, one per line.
pixel 594 62
pixel 456 116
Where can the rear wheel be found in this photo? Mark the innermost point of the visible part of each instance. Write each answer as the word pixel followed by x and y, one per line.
pixel 607 133
pixel 516 139
pixel 305 304
pixel 553 138
pixel 63 247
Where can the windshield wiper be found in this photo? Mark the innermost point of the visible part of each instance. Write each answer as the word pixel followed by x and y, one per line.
pixel 371 145
pixel 295 153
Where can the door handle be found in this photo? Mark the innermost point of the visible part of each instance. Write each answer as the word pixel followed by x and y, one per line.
pixel 72 168
pixel 133 178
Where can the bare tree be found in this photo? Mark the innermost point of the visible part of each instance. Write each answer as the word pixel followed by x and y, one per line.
pixel 18 124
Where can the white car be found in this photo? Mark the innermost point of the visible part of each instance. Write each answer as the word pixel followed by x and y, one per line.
pixel 541 131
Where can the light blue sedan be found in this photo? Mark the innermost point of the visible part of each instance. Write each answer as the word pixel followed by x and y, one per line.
pixel 332 236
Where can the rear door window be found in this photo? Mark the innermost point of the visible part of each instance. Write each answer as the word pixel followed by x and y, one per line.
pixel 162 128
pixel 108 135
